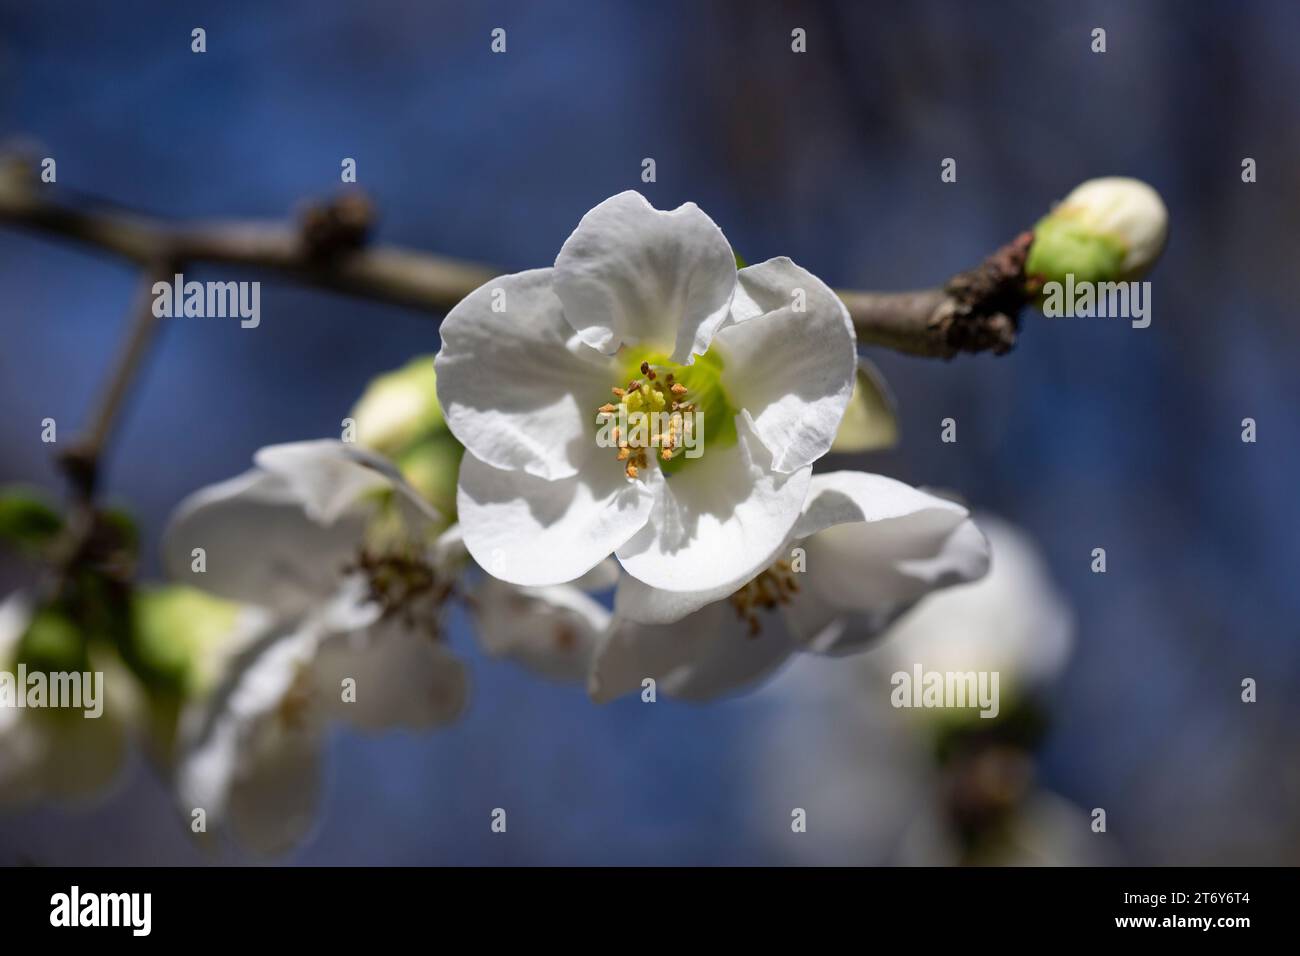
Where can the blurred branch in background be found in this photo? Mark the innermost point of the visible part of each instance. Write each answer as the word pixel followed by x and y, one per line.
pixel 975 311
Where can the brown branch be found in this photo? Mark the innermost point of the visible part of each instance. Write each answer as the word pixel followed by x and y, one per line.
pixel 973 312
pixel 81 463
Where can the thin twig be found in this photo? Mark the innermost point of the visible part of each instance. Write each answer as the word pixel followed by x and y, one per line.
pixel 81 463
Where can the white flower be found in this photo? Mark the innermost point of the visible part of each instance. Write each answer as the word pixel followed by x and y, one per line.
pixel 332 543
pixel 766 356
pixel 872 547
pixel 57 754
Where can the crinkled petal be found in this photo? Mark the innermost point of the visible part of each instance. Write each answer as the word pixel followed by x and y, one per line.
pixel 632 274
pixel 259 545
pixel 326 476
pixel 872 548
pixel 332 478
pixel 517 386
pixel 719 520
pixel 534 532
pixel 634 600
pixel 793 370
pixel 1013 620
pixel 705 655
pixel 552 631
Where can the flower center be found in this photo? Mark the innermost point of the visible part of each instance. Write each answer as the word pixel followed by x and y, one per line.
pixel 661 412
pixel 406 586
pixel 774 586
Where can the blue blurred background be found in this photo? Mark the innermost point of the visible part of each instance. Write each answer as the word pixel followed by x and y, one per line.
pixel 1091 434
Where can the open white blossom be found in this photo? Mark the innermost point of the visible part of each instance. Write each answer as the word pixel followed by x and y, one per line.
pixel 58 753
pixel 865 549
pixel 331 542
pixel 644 310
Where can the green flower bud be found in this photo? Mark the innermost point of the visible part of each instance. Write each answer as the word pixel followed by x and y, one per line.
pixel 180 634
pixel 399 408
pixel 432 467
pixel 1107 230
pixel 52 643
pixel 869 422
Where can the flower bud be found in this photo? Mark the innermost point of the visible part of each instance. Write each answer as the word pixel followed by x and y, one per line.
pixel 1107 230
pixel 870 422
pixel 432 466
pixel 400 408
pixel 182 636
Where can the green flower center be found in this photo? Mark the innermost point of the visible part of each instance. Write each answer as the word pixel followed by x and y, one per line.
pixel 662 412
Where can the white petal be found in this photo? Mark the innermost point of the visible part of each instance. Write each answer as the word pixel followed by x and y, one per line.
pixel 403 678
pixel 238 746
pixel 259 545
pixel 275 794
pixel 793 371
pixel 600 578
pixel 707 654
pixel 517 387
pixel 15 617
pixel 719 520
pixel 324 477
pixel 331 478
pixel 870 422
pixel 1013 621
pixel 874 547
pixel 633 274
pixel 534 532
pixel 551 630
pixel 634 600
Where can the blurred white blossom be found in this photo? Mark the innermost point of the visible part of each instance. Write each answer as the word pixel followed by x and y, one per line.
pixel 880 785
pixel 335 547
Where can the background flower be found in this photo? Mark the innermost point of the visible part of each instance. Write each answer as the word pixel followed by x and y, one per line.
pixel 930 786
pixel 337 550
